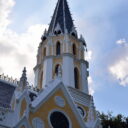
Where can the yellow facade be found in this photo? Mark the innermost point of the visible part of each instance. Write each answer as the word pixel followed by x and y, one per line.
pixel 44 110
pixel 23 107
pixel 60 38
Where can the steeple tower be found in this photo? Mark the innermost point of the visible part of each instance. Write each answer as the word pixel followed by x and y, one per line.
pixel 61 20
pixel 61 51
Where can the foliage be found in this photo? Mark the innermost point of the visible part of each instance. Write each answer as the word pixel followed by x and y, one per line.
pixel 110 121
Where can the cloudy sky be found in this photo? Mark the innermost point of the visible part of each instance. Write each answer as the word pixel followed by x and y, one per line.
pixel 103 23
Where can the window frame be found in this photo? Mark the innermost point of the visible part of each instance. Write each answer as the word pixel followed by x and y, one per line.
pixel 58 48
pixel 64 113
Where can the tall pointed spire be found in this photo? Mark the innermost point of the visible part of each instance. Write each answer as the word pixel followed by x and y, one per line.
pixel 62 18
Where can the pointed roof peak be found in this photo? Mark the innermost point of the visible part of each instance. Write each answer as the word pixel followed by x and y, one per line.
pixel 61 16
pixel 23 80
pixel 24 72
pixel 24 76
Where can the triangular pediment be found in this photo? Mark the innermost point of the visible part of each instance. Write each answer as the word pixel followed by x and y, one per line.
pixel 56 98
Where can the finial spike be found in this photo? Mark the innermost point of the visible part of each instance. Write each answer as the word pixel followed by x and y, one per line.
pixel 23 79
pixel 83 40
pixel 45 31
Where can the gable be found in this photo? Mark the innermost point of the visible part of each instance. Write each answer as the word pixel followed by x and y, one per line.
pixel 57 102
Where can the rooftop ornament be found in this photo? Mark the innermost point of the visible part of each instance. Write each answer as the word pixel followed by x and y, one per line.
pixel 9 79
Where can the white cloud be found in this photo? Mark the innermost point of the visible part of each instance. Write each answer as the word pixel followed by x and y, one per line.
pixel 5 10
pixel 120 71
pixel 119 66
pixel 91 85
pixel 121 41
pixel 17 50
pixel 88 55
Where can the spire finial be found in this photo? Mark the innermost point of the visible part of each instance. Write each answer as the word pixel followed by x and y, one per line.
pixel 92 102
pixel 92 111
pixel 24 72
pixel 83 40
pixel 23 79
pixel 45 31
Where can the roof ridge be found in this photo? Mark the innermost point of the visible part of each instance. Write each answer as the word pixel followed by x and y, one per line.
pixel 56 12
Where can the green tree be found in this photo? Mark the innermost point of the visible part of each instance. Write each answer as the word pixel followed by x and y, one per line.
pixel 108 120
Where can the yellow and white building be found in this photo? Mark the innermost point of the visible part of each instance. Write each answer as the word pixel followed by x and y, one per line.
pixel 60 96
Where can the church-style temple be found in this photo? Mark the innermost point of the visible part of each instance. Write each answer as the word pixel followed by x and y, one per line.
pixel 60 96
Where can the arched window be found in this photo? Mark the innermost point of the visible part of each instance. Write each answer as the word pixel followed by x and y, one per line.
pixel 76 78
pixel 43 38
pixel 57 69
pixel 73 34
pixel 57 32
pixel 59 120
pixel 74 49
pixel 58 48
pixel 44 51
pixel 81 111
pixel 41 80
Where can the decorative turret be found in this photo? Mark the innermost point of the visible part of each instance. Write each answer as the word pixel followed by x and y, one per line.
pixel 93 120
pixel 92 115
pixel 9 79
pixel 23 80
pixel 44 37
pixel 61 20
pixel 83 40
